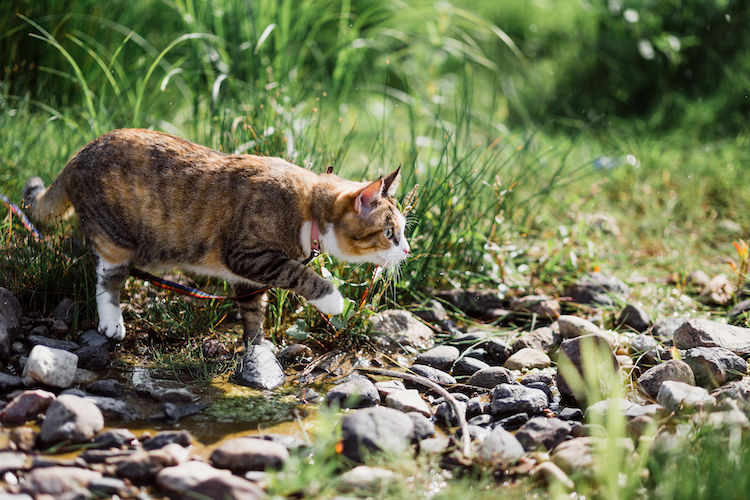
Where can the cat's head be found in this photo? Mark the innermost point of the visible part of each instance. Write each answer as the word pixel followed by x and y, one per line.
pixel 369 226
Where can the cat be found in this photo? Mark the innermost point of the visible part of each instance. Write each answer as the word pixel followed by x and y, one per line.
pixel 152 200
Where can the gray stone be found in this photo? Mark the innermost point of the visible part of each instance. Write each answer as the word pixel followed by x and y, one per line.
pixel 356 393
pixel 165 394
pixel 142 466
pixel 599 411
pixel 482 420
pixel 570 361
pixel 433 374
pixel 527 359
pixel 52 367
pixel 375 429
pixel 174 412
pixel 508 399
pixel 468 366
pixel 490 377
pixel 396 328
pixel 188 475
pixel 14 461
pixel 110 486
pixel 432 311
pixel 59 480
pixel 673 395
pixel 498 351
pixel 739 310
pixel 542 433
pixel 408 400
pixel 260 369
pixel 674 369
pixel 719 290
pixel 106 387
pixel 714 366
pixel 574 455
pixel 224 487
pixel 445 415
pixel 540 305
pixel 513 422
pixel 386 387
pixel 114 408
pixel 71 418
pixel 598 289
pixel 182 438
pixel 93 357
pixel 706 333
pixel 441 357
pixel 113 438
pixel 634 317
pixel 542 339
pixel 665 328
pixel 245 453
pixel 569 414
pixel 423 427
pixel 647 351
pixel 482 303
pixel 738 390
pixel 65 345
pixel 293 353
pixel 364 477
pixel 9 382
pixel 10 321
pixel 500 446
pixel 92 338
pixel 26 406
pixel 574 326
pixel 65 310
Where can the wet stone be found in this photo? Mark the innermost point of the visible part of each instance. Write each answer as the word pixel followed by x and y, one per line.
pixel 386 387
pixel 468 365
pixel 259 369
pixel 739 310
pixel 432 311
pixel 542 387
pixel 527 359
pixel 71 418
pixel 48 366
pixel 423 427
pixel 490 377
pixel 26 406
pixel 163 438
pixel 714 366
pixel 142 466
pixel 244 454
pixel 433 374
pixel 441 357
pixel 706 333
pixel 24 438
pixel 106 387
pixel 93 357
pixel 536 376
pixel 500 446
pixel 542 433
pixel 94 456
pixel 110 486
pixel 174 412
pixel 510 399
pixel 375 429
pixel 634 317
pixel 674 369
pixel 673 395
pixel 356 393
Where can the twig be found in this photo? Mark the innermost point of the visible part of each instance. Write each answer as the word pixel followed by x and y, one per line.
pixel 465 439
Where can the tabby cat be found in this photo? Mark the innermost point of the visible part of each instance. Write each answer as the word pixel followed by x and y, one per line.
pixel 152 200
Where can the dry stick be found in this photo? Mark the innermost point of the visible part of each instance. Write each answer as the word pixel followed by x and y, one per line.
pixel 465 439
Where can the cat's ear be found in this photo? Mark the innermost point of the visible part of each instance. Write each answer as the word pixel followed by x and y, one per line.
pixel 368 196
pixel 391 182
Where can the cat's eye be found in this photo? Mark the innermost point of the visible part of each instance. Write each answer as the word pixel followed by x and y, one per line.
pixel 388 232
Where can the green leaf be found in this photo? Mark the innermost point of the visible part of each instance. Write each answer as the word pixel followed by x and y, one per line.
pixel 298 330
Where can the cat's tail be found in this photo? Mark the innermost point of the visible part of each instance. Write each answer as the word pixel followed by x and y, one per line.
pixel 47 205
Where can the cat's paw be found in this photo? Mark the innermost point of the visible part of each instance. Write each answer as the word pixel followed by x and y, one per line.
pixel 332 303
pixel 111 323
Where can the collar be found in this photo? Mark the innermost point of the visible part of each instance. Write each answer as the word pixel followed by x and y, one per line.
pixel 314 242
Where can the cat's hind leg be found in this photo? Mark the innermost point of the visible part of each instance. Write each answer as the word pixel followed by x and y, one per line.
pixel 112 267
pixel 252 304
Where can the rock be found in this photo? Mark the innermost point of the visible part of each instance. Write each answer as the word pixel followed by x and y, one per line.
pixel 476 406
pixel 93 357
pixel 408 400
pixel 513 422
pixel 539 305
pixel 537 377
pixel 665 328
pixel 634 317
pixel 113 438
pixel 490 377
pixel 71 418
pixel 92 338
pixel 396 328
pixel 509 399
pixel 599 411
pixel 164 438
pixel 48 366
pixel 225 487
pixel 569 414
pixel 26 406
pixel 84 377
pixel 552 474
pixel 673 395
pixel 110 487
pixel 482 420
pixel 355 393
pixel 500 446
pixel 215 350
pixel 114 408
pixel 574 455
pixel 364 477
pixel 24 438
pixel 527 359
pixel 9 382
pixel 481 303
pixel 59 480
pixel 739 311
pixel 440 357
pixel 542 432
pixel 188 475
pixel 570 362
pixel 674 369
pixel 698 278
pixel 174 412
pixel 445 415
pixel 245 453
pixel 498 351
pixel 386 387
pixel 65 310
pixel 714 366
pixel 293 353
pixel 574 326
pixel 432 311
pixel 433 374
pixel 647 351
pixel 375 429
pixel 719 290
pixel 106 387
pixel 165 394
pixel 14 461
pixel 542 339
pixel 598 289
pixel 738 390
pixel 259 369
pixel 423 427
pixel 468 366
pixel 706 333
pixel 65 345
pixel 142 466
pixel 10 321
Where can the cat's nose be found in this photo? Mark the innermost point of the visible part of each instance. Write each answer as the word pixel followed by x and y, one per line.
pixel 406 248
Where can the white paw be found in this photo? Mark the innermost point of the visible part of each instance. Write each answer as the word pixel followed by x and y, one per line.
pixel 333 303
pixel 111 323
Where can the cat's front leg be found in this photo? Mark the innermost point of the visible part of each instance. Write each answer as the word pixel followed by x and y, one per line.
pixel 273 268
pixel 109 280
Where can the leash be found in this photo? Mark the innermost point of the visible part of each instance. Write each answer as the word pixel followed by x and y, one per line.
pixel 155 280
